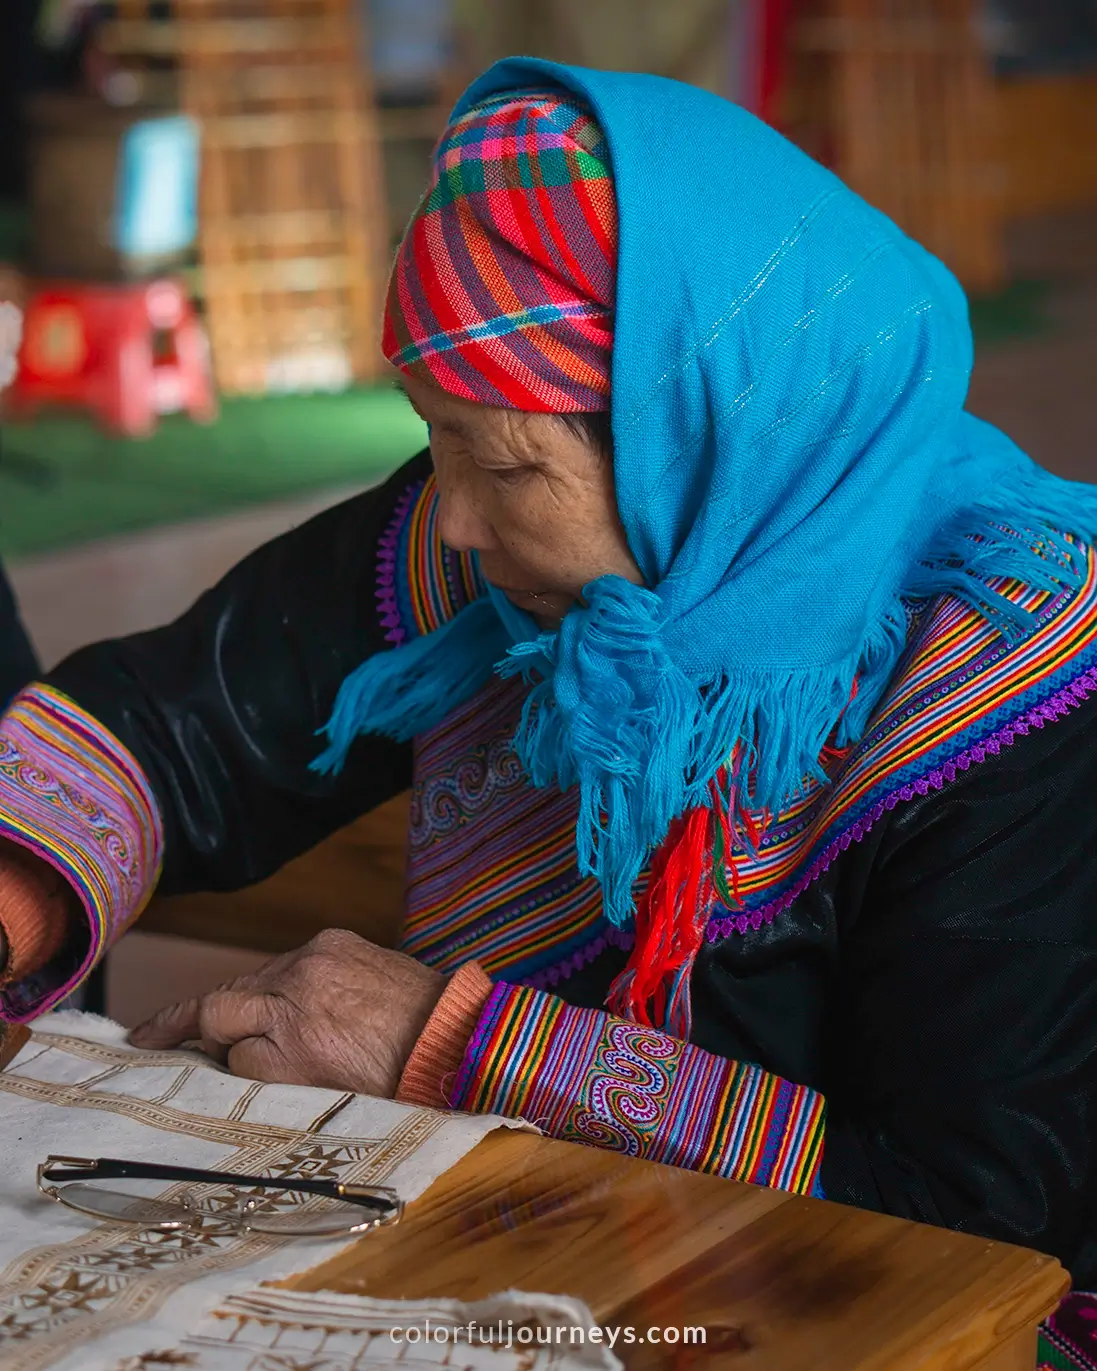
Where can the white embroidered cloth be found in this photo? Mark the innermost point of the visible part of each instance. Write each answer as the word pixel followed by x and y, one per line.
pixel 283 1330
pixel 76 1295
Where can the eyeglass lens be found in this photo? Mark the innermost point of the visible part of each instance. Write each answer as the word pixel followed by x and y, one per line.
pixel 282 1212
pixel 285 1212
pixel 118 1207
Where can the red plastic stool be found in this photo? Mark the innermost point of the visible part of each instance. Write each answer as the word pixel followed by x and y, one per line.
pixel 128 352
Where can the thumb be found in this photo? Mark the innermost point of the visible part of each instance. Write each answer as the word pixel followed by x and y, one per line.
pixel 170 1026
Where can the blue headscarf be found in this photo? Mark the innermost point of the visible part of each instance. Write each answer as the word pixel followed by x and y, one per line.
pixel 793 462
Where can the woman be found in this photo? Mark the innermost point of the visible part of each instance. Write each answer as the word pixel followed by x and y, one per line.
pixel 742 681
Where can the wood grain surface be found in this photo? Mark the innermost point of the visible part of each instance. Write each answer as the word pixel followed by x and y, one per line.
pixel 779 1283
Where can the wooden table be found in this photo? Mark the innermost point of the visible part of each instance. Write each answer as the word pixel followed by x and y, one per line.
pixel 780 1283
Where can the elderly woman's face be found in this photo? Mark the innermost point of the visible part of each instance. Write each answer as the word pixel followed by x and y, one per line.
pixel 535 500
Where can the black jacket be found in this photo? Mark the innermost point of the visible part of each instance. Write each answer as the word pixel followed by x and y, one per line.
pixel 938 984
pixel 17 661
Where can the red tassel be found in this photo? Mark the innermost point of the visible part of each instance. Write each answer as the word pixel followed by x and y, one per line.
pixel 653 989
pixel 670 923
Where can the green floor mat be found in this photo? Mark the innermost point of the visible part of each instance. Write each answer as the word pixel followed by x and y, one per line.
pixel 63 482
pixel 1020 310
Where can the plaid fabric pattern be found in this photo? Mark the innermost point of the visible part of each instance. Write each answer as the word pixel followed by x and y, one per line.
pixel 503 286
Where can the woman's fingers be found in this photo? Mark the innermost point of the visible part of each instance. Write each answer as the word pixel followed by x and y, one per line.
pixel 169 1027
pixel 229 1016
pixel 223 1016
pixel 260 1059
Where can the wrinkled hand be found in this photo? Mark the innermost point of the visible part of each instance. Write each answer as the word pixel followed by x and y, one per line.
pixel 339 1012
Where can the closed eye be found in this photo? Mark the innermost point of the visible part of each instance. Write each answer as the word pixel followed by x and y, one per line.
pixel 399 385
pixel 506 474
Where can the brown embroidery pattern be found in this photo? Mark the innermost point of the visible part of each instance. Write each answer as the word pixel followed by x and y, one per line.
pixel 59 1295
pixel 281 1330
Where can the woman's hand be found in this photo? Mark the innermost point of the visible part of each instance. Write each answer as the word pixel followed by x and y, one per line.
pixel 339 1012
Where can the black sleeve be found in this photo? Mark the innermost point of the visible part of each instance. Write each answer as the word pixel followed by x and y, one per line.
pixel 221 708
pixel 17 660
pixel 967 1046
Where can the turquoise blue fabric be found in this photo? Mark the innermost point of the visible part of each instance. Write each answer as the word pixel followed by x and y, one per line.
pixel 793 462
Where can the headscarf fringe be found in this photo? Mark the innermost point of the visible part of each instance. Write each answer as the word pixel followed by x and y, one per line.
pixel 646 745
pixel 610 711
pixel 400 693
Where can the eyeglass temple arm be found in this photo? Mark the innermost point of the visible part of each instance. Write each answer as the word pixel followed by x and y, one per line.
pixel 111 1168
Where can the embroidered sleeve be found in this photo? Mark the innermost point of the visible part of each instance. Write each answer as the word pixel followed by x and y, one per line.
pixel 421 583
pixel 72 794
pixel 584 1076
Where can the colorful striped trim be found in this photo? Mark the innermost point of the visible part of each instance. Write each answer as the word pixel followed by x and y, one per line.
pixel 962 694
pixel 585 1076
pixel 471 894
pixel 492 873
pixel 531 317
pixel 389 568
pixel 72 794
pixel 1068 1339
pixel 491 858
pixel 421 583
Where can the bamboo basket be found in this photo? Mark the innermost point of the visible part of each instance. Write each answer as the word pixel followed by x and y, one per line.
pixel 293 222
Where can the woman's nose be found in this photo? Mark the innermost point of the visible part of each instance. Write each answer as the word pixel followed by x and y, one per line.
pixel 461 524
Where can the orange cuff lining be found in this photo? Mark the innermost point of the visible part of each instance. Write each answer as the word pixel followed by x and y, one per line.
pixel 437 1055
pixel 35 906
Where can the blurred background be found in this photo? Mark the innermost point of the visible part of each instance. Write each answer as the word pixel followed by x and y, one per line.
pixel 199 200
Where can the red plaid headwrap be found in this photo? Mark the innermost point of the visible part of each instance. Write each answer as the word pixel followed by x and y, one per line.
pixel 503 286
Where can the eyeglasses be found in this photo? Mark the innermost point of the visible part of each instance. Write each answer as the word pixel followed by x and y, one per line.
pixel 284 1206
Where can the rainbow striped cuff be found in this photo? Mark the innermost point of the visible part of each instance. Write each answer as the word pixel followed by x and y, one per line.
pixel 70 792
pixel 582 1075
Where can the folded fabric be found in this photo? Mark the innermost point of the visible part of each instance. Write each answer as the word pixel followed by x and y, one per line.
pixel 291 1329
pixel 77 1295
